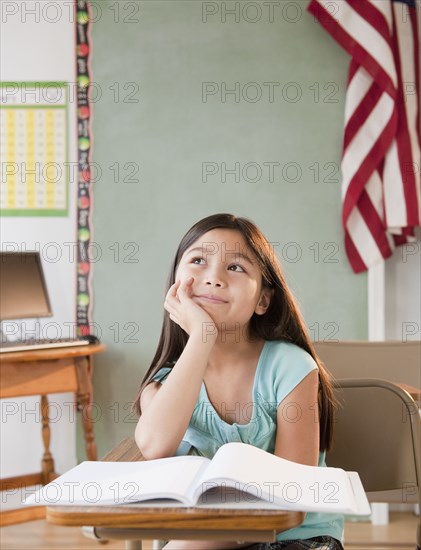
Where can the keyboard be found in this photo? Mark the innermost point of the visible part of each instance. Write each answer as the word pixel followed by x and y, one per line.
pixel 26 345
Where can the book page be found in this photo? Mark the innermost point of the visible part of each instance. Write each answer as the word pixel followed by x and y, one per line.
pixel 108 483
pixel 286 484
pixel 359 493
pixel 218 498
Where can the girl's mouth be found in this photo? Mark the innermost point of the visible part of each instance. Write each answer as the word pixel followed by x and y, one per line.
pixel 211 298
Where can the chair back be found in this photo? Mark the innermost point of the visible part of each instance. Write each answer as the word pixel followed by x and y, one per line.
pixel 378 434
pixel 390 360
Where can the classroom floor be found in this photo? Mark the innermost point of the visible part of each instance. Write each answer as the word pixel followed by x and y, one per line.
pixel 39 535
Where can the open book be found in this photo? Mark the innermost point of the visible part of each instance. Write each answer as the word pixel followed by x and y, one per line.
pixel 238 476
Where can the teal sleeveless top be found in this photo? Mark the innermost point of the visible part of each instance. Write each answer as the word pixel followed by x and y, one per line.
pixel 281 367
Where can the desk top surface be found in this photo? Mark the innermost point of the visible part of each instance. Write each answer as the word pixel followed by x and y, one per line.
pixel 50 354
pixel 173 518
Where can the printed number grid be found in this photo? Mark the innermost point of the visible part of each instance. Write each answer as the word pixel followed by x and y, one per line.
pixel 33 171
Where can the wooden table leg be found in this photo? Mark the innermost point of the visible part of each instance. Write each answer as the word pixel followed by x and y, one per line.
pixel 47 464
pixel 84 398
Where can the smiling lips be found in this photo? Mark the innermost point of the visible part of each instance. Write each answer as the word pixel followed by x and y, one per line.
pixel 211 298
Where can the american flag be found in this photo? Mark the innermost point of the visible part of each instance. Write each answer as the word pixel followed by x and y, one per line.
pixel 381 203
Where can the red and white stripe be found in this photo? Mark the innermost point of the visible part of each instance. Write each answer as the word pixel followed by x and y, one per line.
pixel 381 151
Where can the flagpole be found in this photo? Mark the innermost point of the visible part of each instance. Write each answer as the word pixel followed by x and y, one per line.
pixel 377 302
pixel 377 332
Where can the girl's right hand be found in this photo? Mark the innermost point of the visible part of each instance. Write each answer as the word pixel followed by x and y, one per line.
pixel 186 312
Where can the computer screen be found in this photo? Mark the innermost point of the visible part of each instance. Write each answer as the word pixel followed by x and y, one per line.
pixel 23 292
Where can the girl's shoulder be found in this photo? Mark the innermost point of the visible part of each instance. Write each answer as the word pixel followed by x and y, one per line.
pixel 283 352
pixel 283 366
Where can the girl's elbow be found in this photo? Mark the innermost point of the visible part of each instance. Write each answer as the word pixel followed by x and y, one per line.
pixel 142 443
pixel 150 452
pixel 153 454
pixel 149 448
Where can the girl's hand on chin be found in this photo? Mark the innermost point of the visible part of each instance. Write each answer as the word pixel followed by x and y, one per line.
pixel 184 311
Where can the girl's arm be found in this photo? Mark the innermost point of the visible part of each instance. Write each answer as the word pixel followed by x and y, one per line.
pixel 297 435
pixel 167 408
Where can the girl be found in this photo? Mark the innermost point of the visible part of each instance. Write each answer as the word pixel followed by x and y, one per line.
pixel 234 363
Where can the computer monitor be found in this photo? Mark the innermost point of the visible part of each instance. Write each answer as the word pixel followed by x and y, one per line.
pixel 23 292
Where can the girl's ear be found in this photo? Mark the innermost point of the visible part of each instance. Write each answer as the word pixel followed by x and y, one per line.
pixel 264 301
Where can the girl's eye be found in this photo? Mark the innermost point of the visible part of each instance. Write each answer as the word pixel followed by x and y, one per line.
pixel 197 261
pixel 236 267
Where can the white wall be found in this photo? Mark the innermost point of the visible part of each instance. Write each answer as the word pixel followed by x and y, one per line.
pixel 38 44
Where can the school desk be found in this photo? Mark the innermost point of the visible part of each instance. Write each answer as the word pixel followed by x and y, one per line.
pixel 133 524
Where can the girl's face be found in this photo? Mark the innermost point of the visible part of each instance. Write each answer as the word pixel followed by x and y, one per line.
pixel 227 278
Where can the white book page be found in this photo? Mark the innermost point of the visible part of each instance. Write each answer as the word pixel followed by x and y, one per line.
pixel 363 505
pixel 218 498
pixel 96 483
pixel 286 484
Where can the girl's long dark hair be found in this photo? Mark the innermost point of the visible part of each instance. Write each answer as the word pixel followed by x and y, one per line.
pixel 282 320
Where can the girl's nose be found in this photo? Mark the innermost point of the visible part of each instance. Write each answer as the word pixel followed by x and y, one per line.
pixel 213 283
pixel 214 278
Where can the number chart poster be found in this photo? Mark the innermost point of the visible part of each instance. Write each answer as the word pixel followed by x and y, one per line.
pixel 34 149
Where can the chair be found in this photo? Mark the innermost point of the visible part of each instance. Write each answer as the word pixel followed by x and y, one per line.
pixel 378 434
pixel 392 360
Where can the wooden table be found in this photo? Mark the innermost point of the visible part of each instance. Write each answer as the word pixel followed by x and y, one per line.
pixel 41 372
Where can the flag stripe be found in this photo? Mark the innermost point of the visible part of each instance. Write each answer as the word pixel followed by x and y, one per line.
pixel 375 17
pixel 358 163
pixel 359 83
pixel 362 237
pixel 417 65
pixel 358 264
pixel 374 223
pixel 394 196
pixel 384 8
pixel 361 112
pixel 375 192
pixel 408 144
